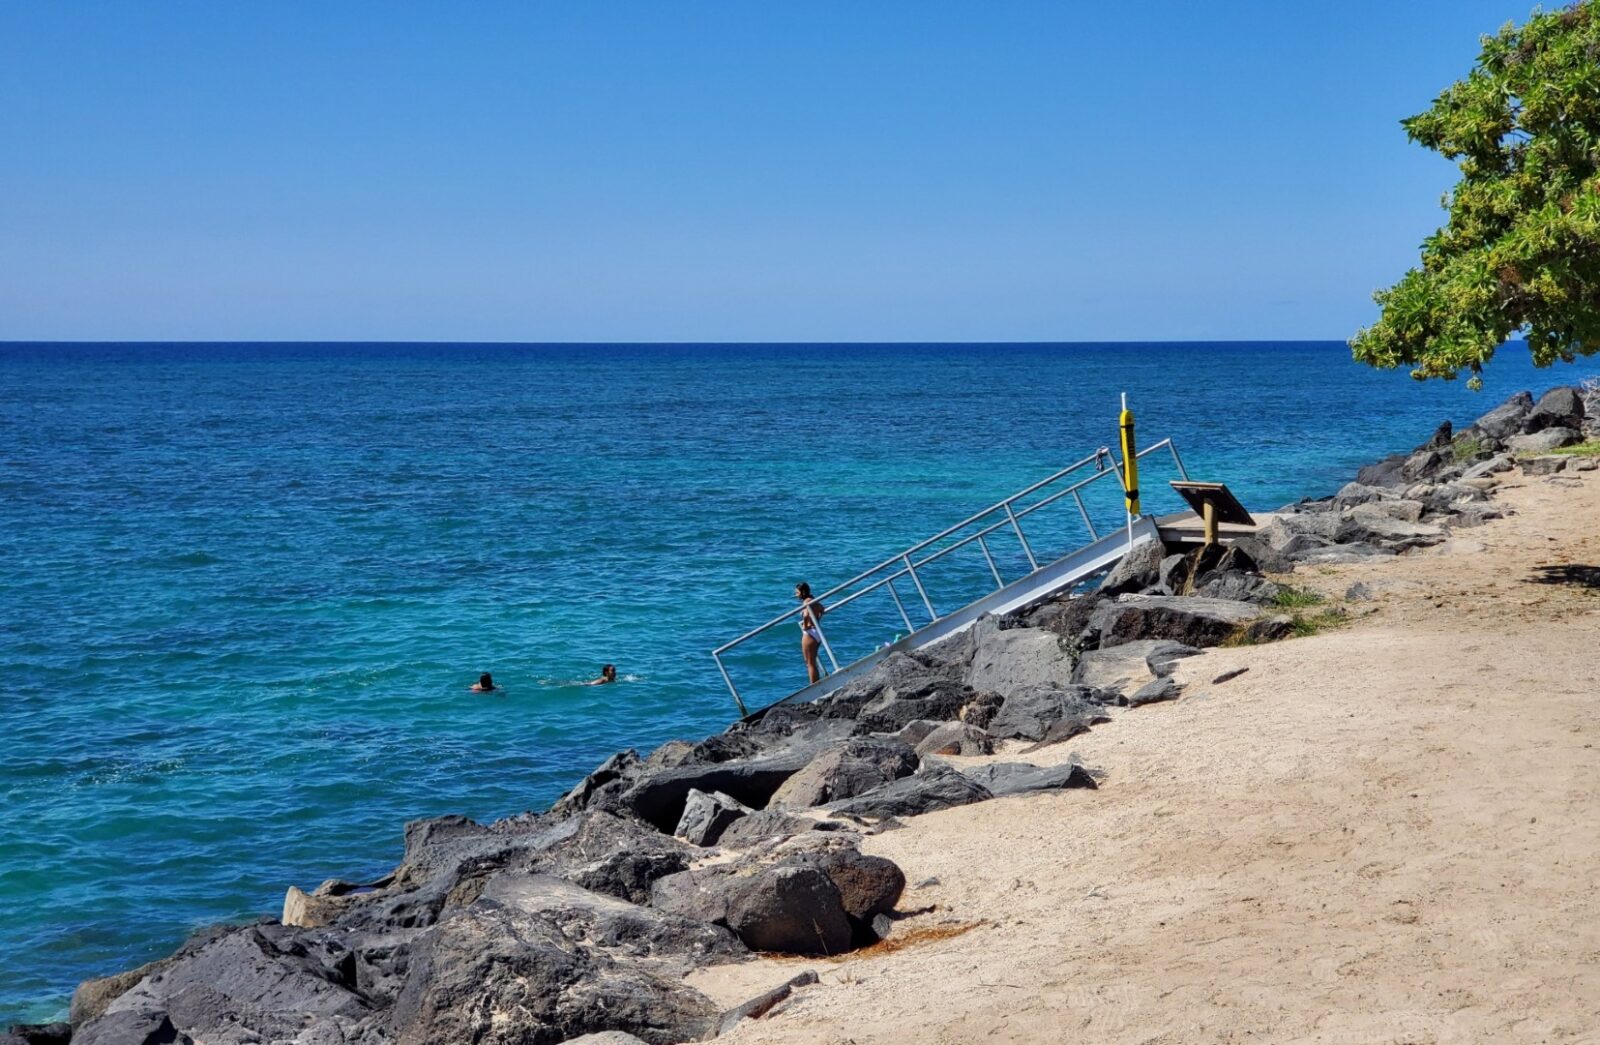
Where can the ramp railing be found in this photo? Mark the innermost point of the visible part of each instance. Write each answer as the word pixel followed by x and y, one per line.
pixel 924 623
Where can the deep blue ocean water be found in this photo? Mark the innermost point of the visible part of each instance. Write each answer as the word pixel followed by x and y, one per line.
pixel 246 586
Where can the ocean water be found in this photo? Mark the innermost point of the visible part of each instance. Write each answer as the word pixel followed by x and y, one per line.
pixel 245 587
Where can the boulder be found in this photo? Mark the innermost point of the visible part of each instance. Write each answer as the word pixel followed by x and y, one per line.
pixel 1544 465
pixel 1175 574
pixel 1006 661
pixel 1136 570
pixel 615 855
pixel 1269 628
pixel 309 911
pixel 94 996
pixel 131 1028
pixel 893 709
pixel 853 768
pixel 932 788
pixel 622 928
pixel 1015 778
pixel 1364 525
pixel 1425 463
pixel 956 738
pixel 613 776
pixel 1216 559
pixel 1153 692
pixel 1557 408
pixel 738 743
pixel 1448 498
pixel 1065 616
pixel 1402 508
pixel 1543 441
pixel 255 980
pixel 868 885
pixel 981 709
pixel 1352 494
pixel 672 753
pixel 1382 473
pixel 1192 621
pixel 1238 586
pixel 1162 658
pixel 1341 553
pixel 706 816
pixel 1266 558
pixel 790 909
pixel 915 732
pixel 782 720
pixel 495 973
pixel 768 824
pixel 1506 419
pixel 925 677
pixel 1029 713
pixel 1121 669
pixel 700 893
pixel 1441 437
pixel 435 845
pixel 658 798
pixel 820 734
pixel 1065 729
pixel 1281 532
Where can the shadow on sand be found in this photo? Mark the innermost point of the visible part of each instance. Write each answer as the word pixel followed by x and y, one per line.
pixel 1578 576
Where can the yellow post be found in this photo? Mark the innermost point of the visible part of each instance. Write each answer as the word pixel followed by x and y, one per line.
pixel 1208 521
pixel 1130 460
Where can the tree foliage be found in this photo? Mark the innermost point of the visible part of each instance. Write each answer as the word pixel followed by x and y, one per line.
pixel 1521 249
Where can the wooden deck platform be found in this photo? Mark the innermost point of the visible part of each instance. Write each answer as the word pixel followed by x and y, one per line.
pixel 1184 529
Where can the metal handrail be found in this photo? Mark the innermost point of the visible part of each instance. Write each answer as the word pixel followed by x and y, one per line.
pixel 1012 519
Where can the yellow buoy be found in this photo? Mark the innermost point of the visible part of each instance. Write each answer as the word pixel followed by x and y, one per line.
pixel 1130 460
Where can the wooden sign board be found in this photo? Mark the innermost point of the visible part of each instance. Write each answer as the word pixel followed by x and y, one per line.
pixel 1226 506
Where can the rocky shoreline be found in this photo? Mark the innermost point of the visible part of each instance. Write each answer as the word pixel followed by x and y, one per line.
pixel 579 923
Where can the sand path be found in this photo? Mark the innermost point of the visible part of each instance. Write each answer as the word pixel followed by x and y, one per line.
pixel 1388 832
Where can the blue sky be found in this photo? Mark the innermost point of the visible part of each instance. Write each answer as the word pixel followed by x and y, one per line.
pixel 716 171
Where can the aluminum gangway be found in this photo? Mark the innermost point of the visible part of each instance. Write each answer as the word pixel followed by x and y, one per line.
pixel 1042 580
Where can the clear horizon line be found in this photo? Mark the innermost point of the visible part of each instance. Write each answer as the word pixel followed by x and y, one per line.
pixel 599 343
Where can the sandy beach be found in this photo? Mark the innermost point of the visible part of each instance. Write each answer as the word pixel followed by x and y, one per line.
pixel 1384 832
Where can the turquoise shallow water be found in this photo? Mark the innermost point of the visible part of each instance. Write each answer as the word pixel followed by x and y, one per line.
pixel 246 586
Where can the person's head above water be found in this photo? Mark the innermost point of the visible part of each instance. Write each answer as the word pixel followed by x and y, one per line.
pixel 609 672
pixel 485 683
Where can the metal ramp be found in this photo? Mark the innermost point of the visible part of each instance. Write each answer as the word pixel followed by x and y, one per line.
pixel 1041 581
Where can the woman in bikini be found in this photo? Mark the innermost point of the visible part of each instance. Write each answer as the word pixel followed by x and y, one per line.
pixel 810 634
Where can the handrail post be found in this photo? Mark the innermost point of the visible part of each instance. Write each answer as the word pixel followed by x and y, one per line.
pixel 992 567
pixel 1026 550
pixel 1093 535
pixel 1183 472
pixel 731 687
pixel 932 616
pixel 825 647
pixel 901 607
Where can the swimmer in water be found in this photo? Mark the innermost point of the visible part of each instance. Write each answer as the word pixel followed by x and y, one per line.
pixel 485 684
pixel 607 674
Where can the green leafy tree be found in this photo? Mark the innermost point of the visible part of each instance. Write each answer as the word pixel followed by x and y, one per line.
pixel 1521 250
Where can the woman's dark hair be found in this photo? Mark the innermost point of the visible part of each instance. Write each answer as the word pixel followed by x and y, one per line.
pixel 609 669
pixel 803 590
pixel 486 681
